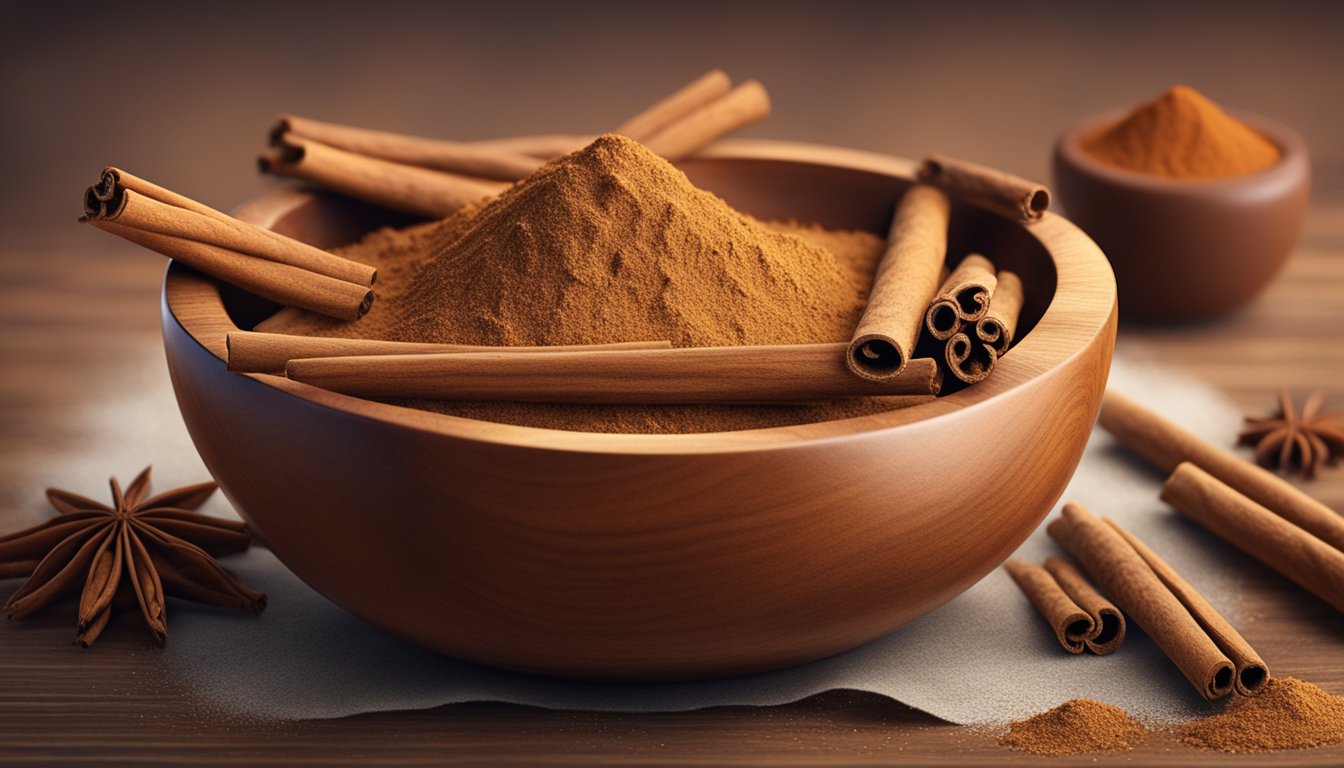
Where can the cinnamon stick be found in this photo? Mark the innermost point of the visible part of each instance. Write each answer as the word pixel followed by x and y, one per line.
pixel 1108 623
pixel 280 283
pixel 1287 548
pixel 1252 673
pixel 746 104
pixel 964 297
pixel 907 277
pixel 1070 623
pixel 686 375
pixel 1005 193
pixel 1124 575
pixel 401 187
pixel 545 146
pixel 968 358
pixel 253 352
pixel 1166 445
pixel 135 203
pixel 999 325
pixel 677 105
pixel 455 156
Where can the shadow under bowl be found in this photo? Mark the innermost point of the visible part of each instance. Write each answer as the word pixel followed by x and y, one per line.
pixel 658 557
pixel 1186 250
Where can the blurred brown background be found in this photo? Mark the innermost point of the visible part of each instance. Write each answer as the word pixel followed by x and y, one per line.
pixel 183 95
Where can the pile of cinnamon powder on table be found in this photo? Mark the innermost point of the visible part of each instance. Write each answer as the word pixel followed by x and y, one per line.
pixel 612 243
pixel 1076 727
pixel 1287 714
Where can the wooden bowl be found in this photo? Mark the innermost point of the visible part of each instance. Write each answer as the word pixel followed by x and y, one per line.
pixel 1187 250
pixel 658 557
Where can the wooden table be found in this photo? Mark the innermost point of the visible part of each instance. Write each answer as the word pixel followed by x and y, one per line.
pixel 73 319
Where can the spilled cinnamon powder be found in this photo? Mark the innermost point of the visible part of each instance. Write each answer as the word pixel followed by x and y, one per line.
pixel 1182 135
pixel 1288 714
pixel 612 243
pixel 1076 727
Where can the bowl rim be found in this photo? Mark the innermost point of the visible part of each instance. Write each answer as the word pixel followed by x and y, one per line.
pixel 1293 158
pixel 1061 334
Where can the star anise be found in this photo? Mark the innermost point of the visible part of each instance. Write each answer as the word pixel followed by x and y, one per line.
pixel 1297 443
pixel 140 549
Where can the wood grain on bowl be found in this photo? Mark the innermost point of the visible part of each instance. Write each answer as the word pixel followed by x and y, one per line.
pixel 657 557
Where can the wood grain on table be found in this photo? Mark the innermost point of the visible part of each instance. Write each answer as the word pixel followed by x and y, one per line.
pixel 71 316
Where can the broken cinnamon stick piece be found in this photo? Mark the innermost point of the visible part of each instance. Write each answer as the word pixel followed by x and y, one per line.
pixel 280 283
pixel 999 325
pixel 1107 621
pixel 1004 193
pixel 680 103
pixel 1252 674
pixel 253 352
pixel 1257 531
pixel 746 104
pixel 964 297
pixel 906 279
pixel 1070 622
pixel 1165 445
pixel 454 156
pixel 1128 580
pixel 684 375
pixel 419 191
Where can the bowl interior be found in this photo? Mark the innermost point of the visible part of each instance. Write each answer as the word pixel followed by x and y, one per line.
pixel 1070 297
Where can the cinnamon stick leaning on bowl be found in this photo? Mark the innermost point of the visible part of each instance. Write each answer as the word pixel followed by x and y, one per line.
pixel 684 375
pixel 1004 193
pixel 264 262
pixel 254 352
pixel 433 178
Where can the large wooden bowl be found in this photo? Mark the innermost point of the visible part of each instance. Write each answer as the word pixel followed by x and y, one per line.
pixel 658 557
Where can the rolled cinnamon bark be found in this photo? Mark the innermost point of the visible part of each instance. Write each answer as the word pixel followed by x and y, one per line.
pixel 684 375
pixel 680 103
pixel 1005 193
pixel 1166 445
pixel 545 146
pixel 1289 549
pixel 746 104
pixel 418 191
pixel 252 352
pixel 999 325
pixel 906 279
pixel 1128 580
pixel 1252 673
pixel 968 358
pixel 964 297
pixel 1108 623
pixel 134 202
pixel 455 156
pixel 280 283
pixel 1069 621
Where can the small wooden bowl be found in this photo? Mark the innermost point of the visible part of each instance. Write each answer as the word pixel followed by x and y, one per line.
pixel 658 557
pixel 1187 250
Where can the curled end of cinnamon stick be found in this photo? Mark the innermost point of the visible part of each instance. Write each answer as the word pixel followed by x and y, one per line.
pixel 1251 679
pixel 1037 203
pixel 106 198
pixel 969 360
pixel 282 126
pixel 875 357
pixel 1220 679
pixel 942 319
pixel 366 304
pixel 1109 632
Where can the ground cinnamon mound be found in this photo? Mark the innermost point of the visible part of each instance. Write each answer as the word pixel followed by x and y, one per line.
pixel 1288 714
pixel 1076 727
pixel 1182 135
pixel 613 243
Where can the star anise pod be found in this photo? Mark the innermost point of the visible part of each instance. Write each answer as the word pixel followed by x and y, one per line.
pixel 141 549
pixel 1295 442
